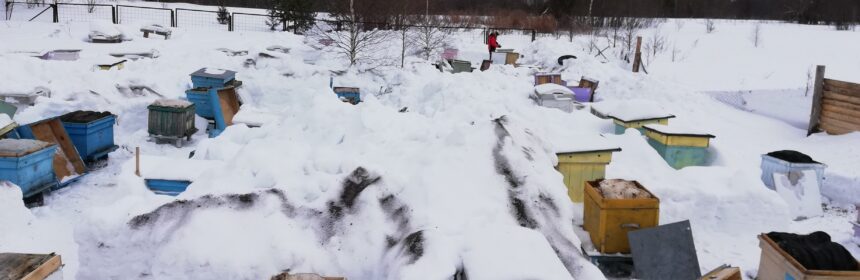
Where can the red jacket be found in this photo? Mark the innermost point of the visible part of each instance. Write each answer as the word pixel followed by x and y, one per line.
pixel 492 44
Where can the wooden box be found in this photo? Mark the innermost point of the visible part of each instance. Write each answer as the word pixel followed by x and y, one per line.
pixel 609 220
pixel 580 167
pixel 622 125
pixel 776 264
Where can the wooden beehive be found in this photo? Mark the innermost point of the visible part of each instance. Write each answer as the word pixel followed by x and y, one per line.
pixel 776 264
pixel 622 124
pixel 609 220
pixel 582 166
pixel 679 149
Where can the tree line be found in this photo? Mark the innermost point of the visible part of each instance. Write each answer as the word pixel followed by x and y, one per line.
pixel 564 13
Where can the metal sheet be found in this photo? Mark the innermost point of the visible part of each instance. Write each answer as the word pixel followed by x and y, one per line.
pixel 665 252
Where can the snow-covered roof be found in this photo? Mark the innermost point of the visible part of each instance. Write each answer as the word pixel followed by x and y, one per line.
pixel 677 130
pixel 551 88
pixel 214 73
pixel 172 103
pixel 581 143
pixel 629 111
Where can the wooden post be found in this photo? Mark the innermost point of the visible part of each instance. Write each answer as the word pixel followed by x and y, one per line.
pixel 137 161
pixel 817 95
pixel 637 60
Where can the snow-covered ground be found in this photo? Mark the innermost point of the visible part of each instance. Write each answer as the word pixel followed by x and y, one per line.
pixel 461 181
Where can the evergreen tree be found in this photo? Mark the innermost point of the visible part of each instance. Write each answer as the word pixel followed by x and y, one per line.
pixel 223 14
pixel 297 12
pixel 273 17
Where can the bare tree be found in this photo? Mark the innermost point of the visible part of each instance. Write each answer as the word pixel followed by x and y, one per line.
pixel 430 39
pixel 756 34
pixel 91 6
pixel 353 42
pixel 710 26
pixel 655 45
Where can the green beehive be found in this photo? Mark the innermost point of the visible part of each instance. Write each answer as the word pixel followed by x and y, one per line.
pixel 680 147
pixel 171 119
pixel 461 66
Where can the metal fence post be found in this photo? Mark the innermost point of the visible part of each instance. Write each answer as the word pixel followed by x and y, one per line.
pixel 56 13
pixel 534 33
pixel 230 22
pixel 172 18
pixel 113 14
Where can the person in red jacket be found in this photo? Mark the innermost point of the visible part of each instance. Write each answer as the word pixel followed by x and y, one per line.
pixel 493 43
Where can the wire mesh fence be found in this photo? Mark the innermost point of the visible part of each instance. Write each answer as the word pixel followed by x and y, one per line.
pixel 144 15
pixel 199 20
pixel 254 22
pixel 21 11
pixel 69 12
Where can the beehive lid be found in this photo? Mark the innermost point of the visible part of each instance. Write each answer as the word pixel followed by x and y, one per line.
pixel 346 89
pixel 20 147
pixel 551 88
pixel 83 116
pixel 584 143
pixel 215 73
pixel 632 114
pixel 677 130
pixel 172 103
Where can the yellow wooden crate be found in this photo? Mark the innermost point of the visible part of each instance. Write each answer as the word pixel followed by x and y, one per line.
pixel 580 167
pixel 511 58
pixel 687 140
pixel 609 220
pixel 776 264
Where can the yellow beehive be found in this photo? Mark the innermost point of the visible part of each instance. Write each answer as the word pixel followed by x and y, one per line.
pixel 582 166
pixel 609 220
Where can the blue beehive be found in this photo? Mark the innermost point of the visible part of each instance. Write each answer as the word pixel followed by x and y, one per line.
pixel 28 164
pixel 788 161
pixel 167 187
pixel 348 94
pixel 202 99
pixel 91 132
pixel 68 165
pixel 212 78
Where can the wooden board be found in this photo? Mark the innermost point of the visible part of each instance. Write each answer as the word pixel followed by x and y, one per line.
pixel 67 161
pixel 841 111
pixel 229 104
pixel 726 273
pixel 834 85
pixel 835 106
pixel 28 266
pixel 841 97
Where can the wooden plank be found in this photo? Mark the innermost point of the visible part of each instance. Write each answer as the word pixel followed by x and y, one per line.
pixel 833 109
pixel 840 117
pixel 28 266
pixel 852 88
pixel 45 270
pixel 818 89
pixel 835 130
pixel 61 163
pixel 68 147
pixel 832 95
pixel 839 124
pixel 845 105
pixel 843 91
pixel 229 104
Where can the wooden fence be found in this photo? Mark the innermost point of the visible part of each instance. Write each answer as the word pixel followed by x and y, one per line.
pixel 835 106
